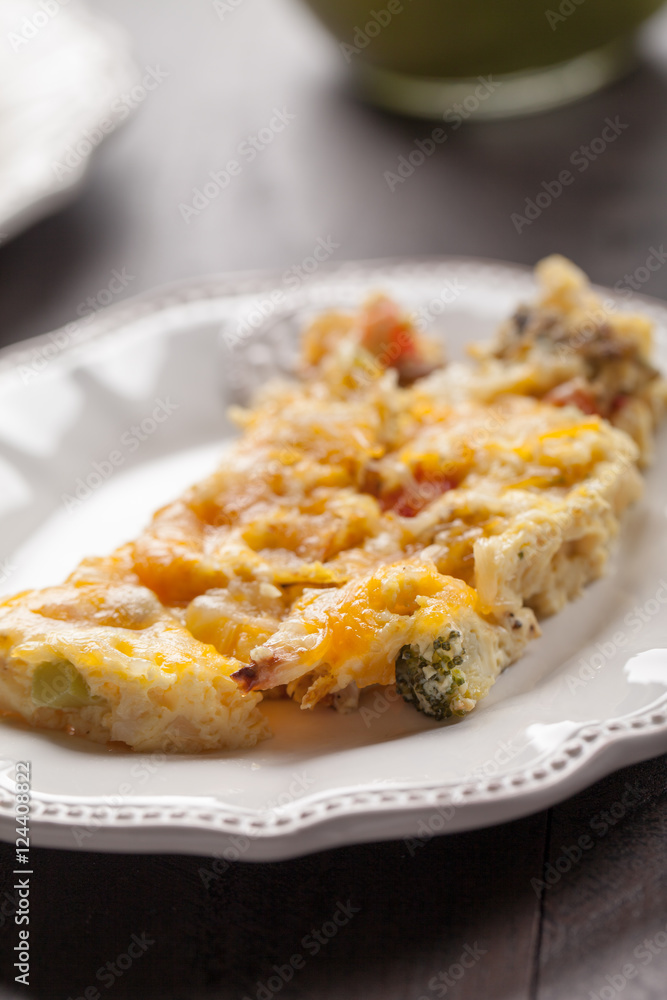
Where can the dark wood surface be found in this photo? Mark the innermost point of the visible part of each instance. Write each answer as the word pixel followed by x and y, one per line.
pixel 323 177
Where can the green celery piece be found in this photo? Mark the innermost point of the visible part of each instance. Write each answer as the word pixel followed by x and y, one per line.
pixel 60 685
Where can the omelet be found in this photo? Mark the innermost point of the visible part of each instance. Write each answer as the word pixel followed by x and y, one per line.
pixel 383 518
pixel 533 503
pixel 353 636
pixel 100 657
pixel 570 347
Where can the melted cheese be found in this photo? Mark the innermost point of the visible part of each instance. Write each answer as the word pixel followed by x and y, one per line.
pixel 368 504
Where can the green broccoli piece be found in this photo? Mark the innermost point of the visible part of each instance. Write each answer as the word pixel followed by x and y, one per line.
pixel 433 681
pixel 60 685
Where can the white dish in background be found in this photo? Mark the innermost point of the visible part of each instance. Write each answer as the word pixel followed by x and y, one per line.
pixel 576 707
pixel 63 72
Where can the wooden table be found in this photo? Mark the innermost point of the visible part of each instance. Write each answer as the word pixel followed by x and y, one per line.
pixel 322 177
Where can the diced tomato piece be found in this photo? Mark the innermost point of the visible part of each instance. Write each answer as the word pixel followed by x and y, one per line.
pixel 408 501
pixel 386 333
pixel 574 393
pixel 620 400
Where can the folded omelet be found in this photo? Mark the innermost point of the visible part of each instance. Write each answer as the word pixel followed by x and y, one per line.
pixel 384 518
pixel 572 347
pixel 406 623
pixel 100 657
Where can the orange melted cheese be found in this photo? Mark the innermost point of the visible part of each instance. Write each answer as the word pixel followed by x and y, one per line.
pixel 374 500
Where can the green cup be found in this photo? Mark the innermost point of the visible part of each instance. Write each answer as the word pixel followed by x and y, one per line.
pixel 421 57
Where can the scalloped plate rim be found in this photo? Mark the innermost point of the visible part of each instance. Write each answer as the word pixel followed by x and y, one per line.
pixel 195 825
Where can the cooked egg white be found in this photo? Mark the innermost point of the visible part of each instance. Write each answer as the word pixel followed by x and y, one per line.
pixel 353 635
pixel 383 518
pixel 103 659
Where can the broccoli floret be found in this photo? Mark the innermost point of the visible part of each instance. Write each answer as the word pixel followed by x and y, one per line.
pixel 433 681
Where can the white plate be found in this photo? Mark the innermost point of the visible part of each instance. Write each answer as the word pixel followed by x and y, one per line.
pixel 63 72
pixel 579 705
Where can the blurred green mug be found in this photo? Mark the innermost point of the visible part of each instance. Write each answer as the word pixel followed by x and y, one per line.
pixel 420 57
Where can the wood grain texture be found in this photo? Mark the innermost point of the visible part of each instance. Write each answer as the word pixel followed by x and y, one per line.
pixel 323 176
pixel 410 921
pixel 408 914
pixel 608 900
